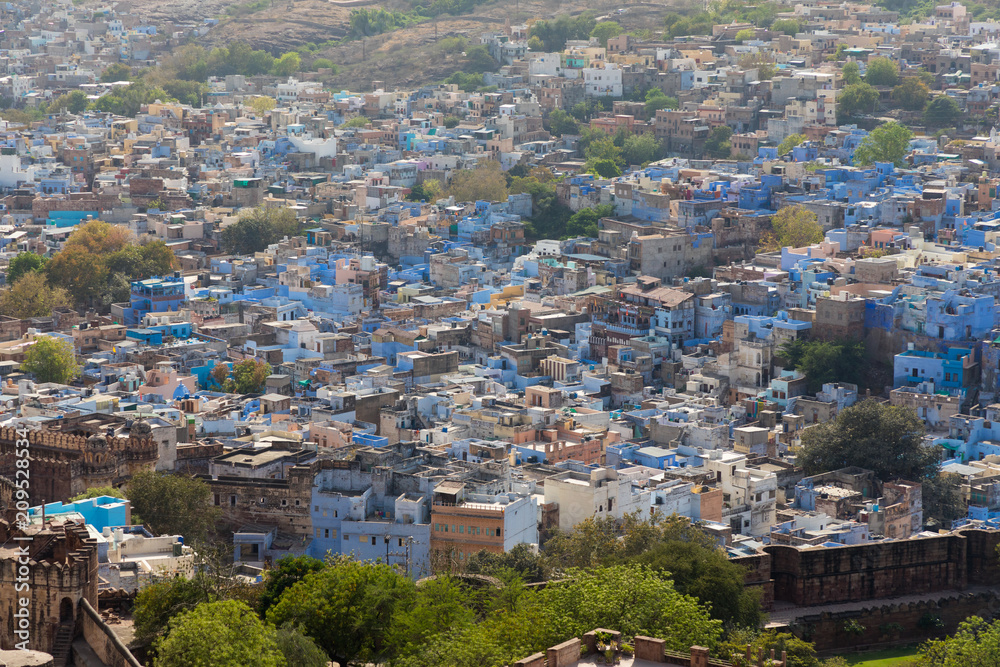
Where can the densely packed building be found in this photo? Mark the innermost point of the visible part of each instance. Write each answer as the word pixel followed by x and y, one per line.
pixel 444 379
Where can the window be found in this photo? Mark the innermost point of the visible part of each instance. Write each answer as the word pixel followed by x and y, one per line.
pixel 326 532
pixel 232 501
pixel 400 541
pixel 347 537
pixel 461 529
pixel 324 513
pixel 373 540
pixel 317 533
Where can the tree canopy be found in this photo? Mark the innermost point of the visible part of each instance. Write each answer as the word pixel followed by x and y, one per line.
pixel 975 644
pixel 717 145
pixel 99 260
pixel 605 30
pixel 172 504
pixel 51 360
pixel 32 296
pixel 942 111
pixel 222 634
pixel 248 376
pixel 826 361
pixel 889 142
pixel 259 228
pixel 485 183
pixel 911 93
pixel 790 142
pixel 851 73
pixel 882 71
pixel 793 226
pixel 856 98
pixel 24 263
pixel 289 571
pixel 886 439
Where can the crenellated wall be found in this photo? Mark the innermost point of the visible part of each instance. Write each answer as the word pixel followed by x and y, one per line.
pixel 66 464
pixel 61 571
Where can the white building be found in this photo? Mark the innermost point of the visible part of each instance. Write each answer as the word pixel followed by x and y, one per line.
pixel 603 81
pixel 599 493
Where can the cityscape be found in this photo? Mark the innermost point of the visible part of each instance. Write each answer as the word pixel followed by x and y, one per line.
pixel 477 333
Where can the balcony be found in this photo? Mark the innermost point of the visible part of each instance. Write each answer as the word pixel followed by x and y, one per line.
pixel 626 329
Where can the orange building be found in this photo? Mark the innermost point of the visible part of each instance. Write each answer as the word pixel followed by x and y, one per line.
pixel 463 526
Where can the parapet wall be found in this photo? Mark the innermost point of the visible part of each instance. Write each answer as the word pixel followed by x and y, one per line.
pixel 899 622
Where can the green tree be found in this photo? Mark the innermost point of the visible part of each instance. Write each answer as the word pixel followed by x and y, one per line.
pixel 717 145
pixel 485 183
pixel 605 30
pixel 357 121
pixel 826 361
pixel 745 35
pixel 851 73
pixel 116 72
pixel 553 34
pixel 299 650
pixel 790 142
pixel 129 101
pixel 347 607
pixel 99 238
pixel 668 544
pixel 440 603
pixel 220 634
pixel 792 226
pixel 479 60
pixel 585 221
pixel 700 569
pixel 259 228
pixel 790 27
pixel 561 123
pixel 160 601
pixel 185 92
pixel 521 560
pixel 889 142
pixel 634 599
pixel 942 111
pixel 98 492
pixel 289 571
pixel 886 439
pixel 942 497
pixel 976 643
pixel 641 150
pixel 81 273
pixel 656 99
pixel 323 63
pixel 74 102
pixel 288 64
pixel 911 93
pixel 24 263
pixel 857 98
pixel 31 296
pixel 761 61
pixel 248 376
pixel 604 157
pixel 882 72
pixel 172 504
pixel 51 360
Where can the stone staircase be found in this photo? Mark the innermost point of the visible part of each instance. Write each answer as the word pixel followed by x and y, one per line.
pixel 62 644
